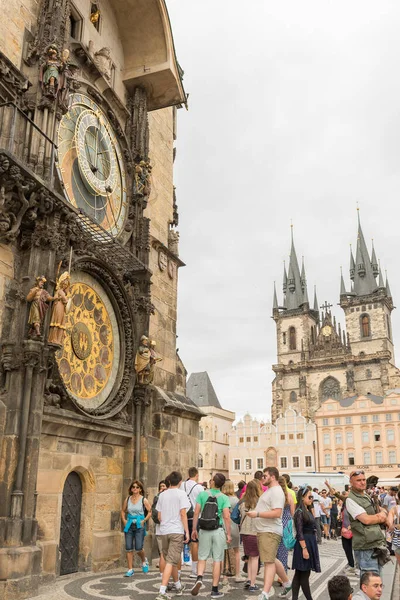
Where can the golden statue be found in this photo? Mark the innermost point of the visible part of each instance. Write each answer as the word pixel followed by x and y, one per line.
pixel 39 298
pixel 61 307
pixel 142 361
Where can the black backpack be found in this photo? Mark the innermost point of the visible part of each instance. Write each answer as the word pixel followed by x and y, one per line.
pixel 154 511
pixel 190 512
pixel 209 519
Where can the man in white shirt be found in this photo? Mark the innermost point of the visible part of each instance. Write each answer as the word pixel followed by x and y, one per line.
pixel 192 489
pixel 268 524
pixel 326 505
pixel 172 507
pixel 390 499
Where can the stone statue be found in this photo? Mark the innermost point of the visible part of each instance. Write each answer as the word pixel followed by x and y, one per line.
pixel 173 241
pixel 51 72
pixel 60 309
pixel 142 361
pixel 350 380
pixel 39 299
pixel 154 359
pixel 303 385
pixel 102 60
pixel 142 178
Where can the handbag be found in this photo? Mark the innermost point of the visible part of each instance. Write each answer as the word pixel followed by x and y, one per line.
pixel 235 514
pixel 346 529
pixel 346 533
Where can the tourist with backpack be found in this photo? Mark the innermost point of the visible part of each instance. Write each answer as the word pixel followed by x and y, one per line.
pixel 192 489
pixel 172 509
pixel 212 512
pixel 135 513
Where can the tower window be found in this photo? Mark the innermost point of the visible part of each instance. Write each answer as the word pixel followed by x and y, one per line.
pixel 292 338
pixel 200 462
pixel 365 326
pixel 388 327
pixel 75 23
pixel 293 397
pixel 284 338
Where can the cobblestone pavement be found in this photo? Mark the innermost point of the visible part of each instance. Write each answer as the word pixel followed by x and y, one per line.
pixel 112 585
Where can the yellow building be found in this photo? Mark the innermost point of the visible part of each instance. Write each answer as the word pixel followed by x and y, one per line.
pixel 289 445
pixel 360 432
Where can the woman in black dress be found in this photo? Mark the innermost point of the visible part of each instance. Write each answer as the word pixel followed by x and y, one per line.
pixel 305 552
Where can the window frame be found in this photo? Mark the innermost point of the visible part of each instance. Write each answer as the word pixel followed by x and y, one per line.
pixel 237 460
pixel 296 456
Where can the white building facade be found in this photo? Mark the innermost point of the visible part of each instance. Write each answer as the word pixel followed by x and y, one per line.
pixel 289 445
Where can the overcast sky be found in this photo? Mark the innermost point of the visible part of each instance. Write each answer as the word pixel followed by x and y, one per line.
pixel 294 113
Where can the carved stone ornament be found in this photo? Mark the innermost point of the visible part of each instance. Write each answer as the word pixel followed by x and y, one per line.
pixel 16 83
pixel 171 269
pixel 162 260
pixel 102 60
pixel 173 241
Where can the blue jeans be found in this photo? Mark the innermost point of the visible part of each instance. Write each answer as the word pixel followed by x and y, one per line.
pixel 134 538
pixel 365 561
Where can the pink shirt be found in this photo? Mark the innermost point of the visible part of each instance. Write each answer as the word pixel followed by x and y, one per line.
pixel 264 487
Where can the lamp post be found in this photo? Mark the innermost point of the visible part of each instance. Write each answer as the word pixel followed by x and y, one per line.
pixel 245 473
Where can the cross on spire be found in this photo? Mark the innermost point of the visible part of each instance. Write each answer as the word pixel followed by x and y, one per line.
pixel 326 306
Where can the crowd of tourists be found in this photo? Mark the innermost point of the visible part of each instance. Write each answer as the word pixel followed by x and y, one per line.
pixel 270 519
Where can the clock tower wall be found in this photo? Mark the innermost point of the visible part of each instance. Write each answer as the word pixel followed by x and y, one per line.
pixel 292 332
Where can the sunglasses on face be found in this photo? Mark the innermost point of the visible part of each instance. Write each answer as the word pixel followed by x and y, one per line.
pixel 135 487
pixel 355 473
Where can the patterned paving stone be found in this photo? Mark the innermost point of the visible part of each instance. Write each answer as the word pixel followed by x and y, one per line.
pixel 112 585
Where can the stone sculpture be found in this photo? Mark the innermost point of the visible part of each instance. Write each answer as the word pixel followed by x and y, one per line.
pixel 59 310
pixel 39 299
pixel 102 60
pixel 142 361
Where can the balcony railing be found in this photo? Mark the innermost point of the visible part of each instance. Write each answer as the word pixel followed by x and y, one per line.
pixel 20 136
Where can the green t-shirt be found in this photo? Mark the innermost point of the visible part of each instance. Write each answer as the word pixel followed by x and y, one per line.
pixel 222 500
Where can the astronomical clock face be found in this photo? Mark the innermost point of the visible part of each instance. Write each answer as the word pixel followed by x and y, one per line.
pixel 90 164
pixel 89 360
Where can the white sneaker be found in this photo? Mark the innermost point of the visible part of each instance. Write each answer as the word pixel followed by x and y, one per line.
pixel 193 575
pixel 265 596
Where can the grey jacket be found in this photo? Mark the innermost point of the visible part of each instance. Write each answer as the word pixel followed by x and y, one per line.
pixel 360 595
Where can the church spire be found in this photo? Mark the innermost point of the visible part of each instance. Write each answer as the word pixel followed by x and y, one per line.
pixel 275 306
pixel 294 294
pixel 284 278
pixel 342 285
pixel 364 279
pixel 381 283
pixel 352 264
pixel 374 262
pixel 388 291
pixel 316 307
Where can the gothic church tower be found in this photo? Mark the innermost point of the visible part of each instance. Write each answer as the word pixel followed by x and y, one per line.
pixel 316 360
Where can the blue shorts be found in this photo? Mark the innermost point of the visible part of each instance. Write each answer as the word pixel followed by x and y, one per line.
pixel 365 561
pixel 134 538
pixel 324 520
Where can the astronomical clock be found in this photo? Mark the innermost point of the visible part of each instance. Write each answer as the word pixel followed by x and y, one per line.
pixel 91 166
pixel 92 172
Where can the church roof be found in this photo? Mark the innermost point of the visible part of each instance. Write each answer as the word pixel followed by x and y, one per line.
pixel 200 390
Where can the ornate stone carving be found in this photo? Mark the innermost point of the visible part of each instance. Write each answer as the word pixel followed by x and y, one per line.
pixel 173 241
pixel 138 126
pixel 102 60
pixel 350 380
pixel 142 182
pixel 303 385
pixel 53 17
pixel 15 82
pixel 39 299
pixel 175 220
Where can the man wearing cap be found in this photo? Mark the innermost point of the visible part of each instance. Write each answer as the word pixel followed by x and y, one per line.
pixel 368 538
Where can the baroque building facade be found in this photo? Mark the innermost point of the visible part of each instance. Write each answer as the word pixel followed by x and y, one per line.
pixel 360 432
pixel 317 360
pixel 214 428
pixel 289 444
pixel 89 259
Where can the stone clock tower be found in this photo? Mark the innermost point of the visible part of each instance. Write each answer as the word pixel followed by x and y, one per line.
pixel 89 93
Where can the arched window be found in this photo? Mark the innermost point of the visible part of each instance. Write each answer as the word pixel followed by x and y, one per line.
pixel 224 462
pixel 388 327
pixel 293 397
pixel 215 433
pixel 284 338
pixel 207 433
pixel 215 461
pixel 330 388
pixel 200 462
pixel 292 338
pixel 201 434
pixel 365 326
